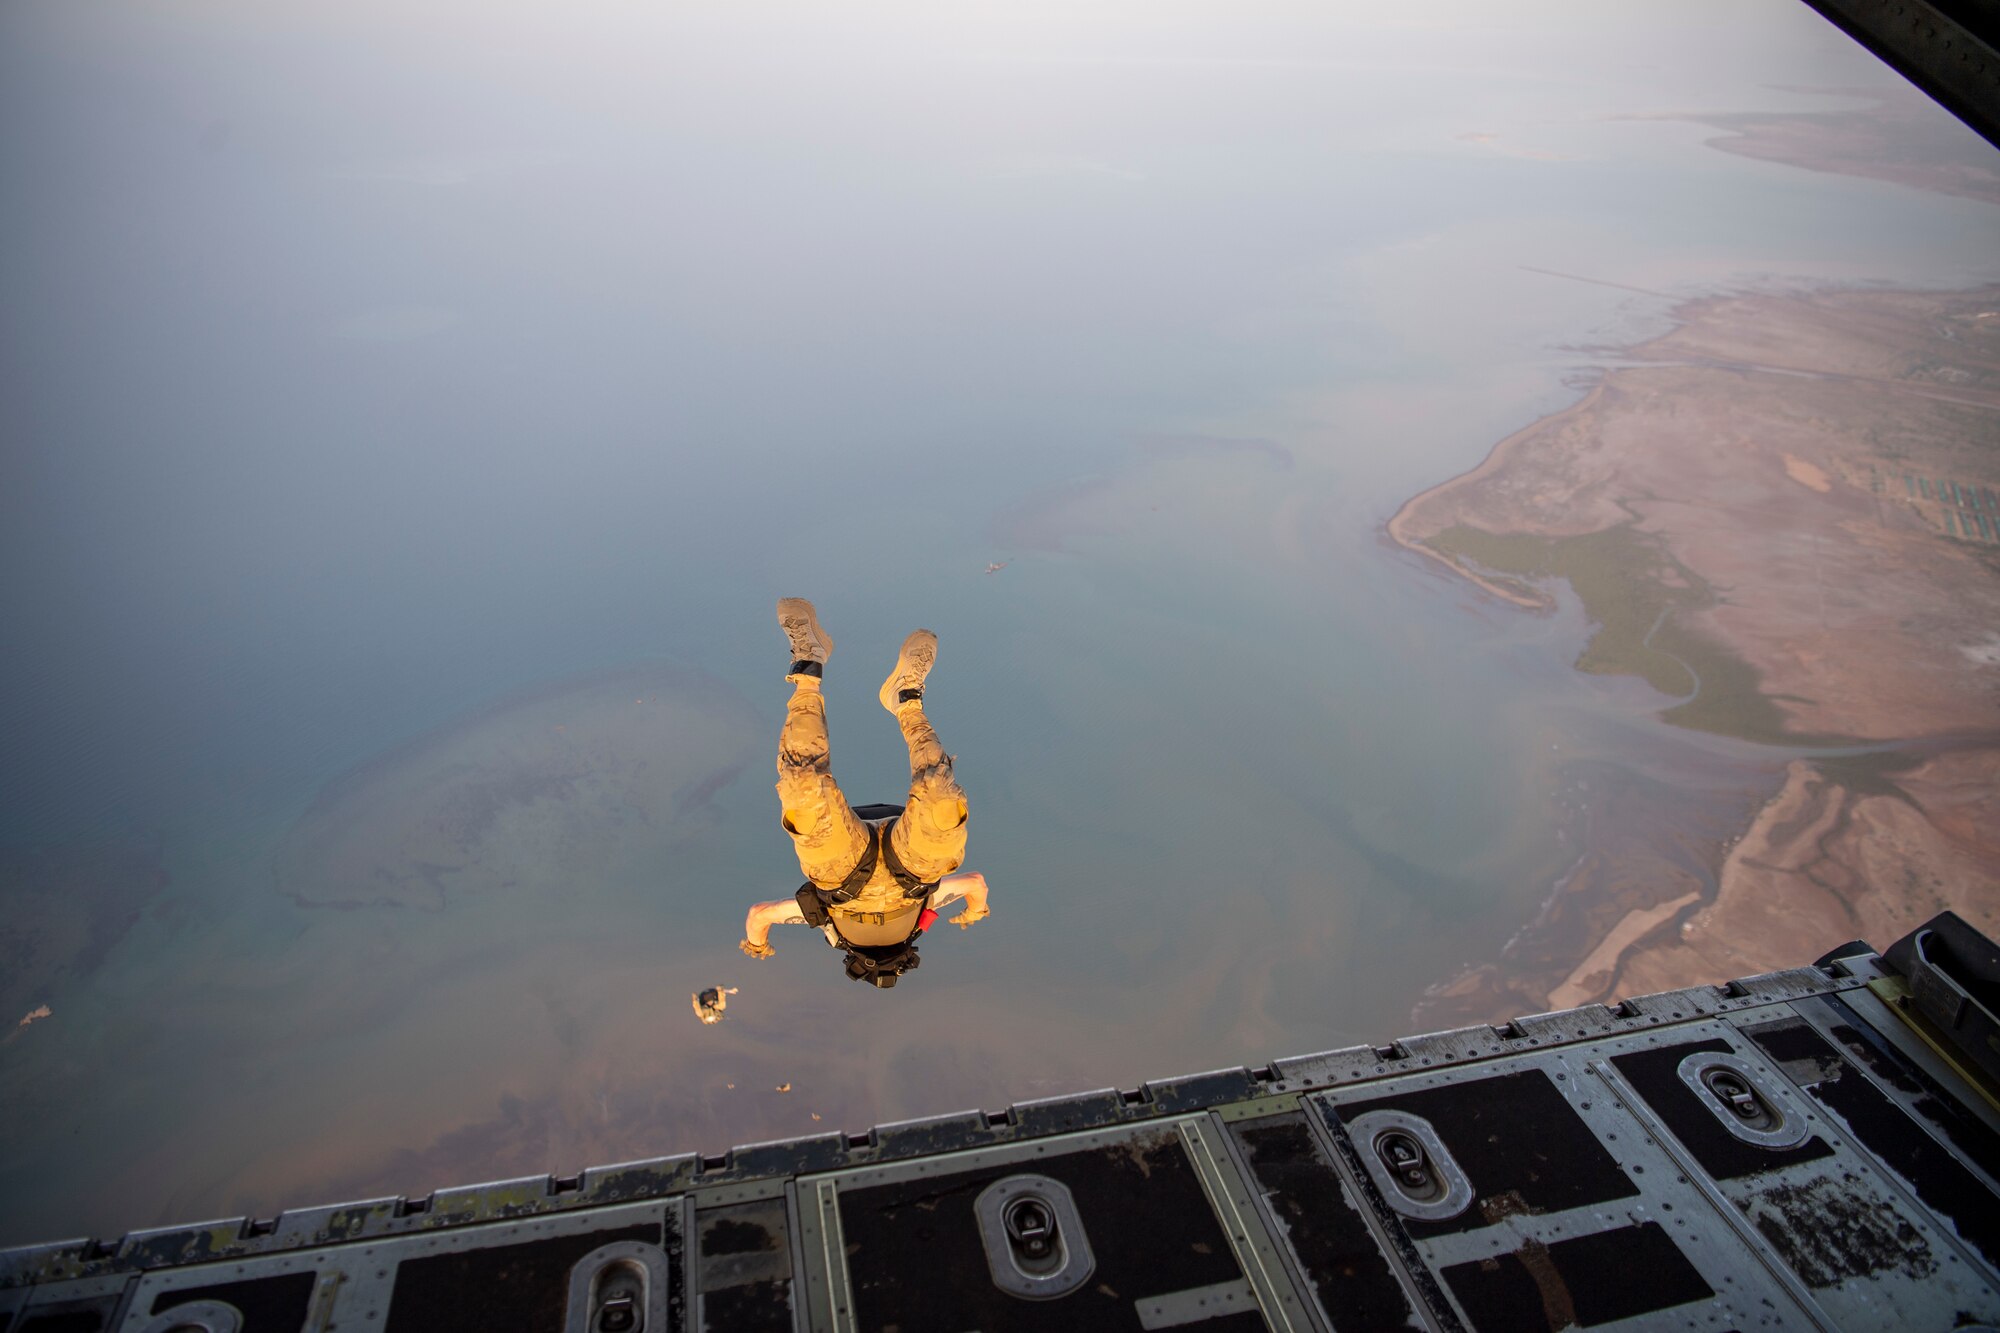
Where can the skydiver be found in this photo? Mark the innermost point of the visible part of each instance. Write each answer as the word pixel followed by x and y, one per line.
pixel 875 875
pixel 709 1004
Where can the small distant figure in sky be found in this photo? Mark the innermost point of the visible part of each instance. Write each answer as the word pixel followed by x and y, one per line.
pixel 995 566
pixel 709 1004
pixel 876 875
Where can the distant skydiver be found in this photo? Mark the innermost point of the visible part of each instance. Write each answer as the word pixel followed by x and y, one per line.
pixel 709 1004
pixel 875 874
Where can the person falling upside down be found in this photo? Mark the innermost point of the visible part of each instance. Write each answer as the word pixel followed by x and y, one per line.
pixel 875 874
pixel 709 1004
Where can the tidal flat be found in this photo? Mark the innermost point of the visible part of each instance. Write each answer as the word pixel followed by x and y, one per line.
pixel 1737 509
pixel 1635 594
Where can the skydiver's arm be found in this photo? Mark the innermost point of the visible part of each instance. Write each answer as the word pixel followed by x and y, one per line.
pixel 757 925
pixel 970 886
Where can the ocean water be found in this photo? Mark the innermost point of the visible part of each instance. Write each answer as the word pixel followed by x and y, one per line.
pixel 370 366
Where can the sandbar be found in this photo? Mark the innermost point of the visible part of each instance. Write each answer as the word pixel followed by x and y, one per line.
pixel 524 795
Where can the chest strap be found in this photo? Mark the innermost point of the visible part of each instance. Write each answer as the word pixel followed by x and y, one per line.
pixel 814 901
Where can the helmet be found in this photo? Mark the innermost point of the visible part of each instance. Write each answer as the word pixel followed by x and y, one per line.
pixel 880 965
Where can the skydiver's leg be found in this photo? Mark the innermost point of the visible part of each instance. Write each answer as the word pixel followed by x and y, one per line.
pixel 930 837
pixel 827 835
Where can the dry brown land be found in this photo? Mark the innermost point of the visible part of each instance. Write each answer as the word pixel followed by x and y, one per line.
pixel 1742 516
pixel 1904 138
pixel 1824 861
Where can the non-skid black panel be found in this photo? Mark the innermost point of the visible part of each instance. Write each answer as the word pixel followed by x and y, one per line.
pixel 1886 1130
pixel 1517 1140
pixel 744 1267
pixel 1967 1132
pixel 1796 1048
pixel 750 1307
pixel 915 1259
pixel 79 1314
pixel 1342 1263
pixel 1243 1321
pixel 514 1288
pixel 1585 1281
pixel 73 1318
pixel 268 1304
pixel 1655 1076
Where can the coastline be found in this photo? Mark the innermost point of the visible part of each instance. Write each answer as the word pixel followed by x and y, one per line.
pixel 1496 458
pixel 1746 488
pixel 1899 139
